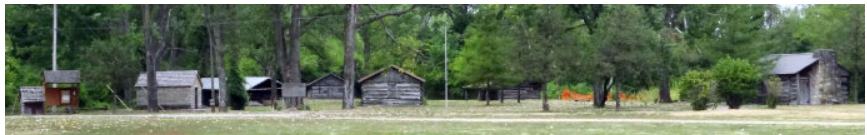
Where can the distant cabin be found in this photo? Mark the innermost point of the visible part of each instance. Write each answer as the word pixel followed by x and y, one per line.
pixel 32 100
pixel 809 78
pixel 61 88
pixel 258 87
pixel 176 89
pixel 391 86
pixel 524 90
pixel 329 86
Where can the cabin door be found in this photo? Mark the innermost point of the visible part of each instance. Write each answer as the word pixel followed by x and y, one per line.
pixel 804 91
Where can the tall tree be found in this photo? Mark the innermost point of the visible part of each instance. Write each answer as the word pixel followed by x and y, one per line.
pixel 292 70
pixel 351 25
pixel 151 60
pixel 280 44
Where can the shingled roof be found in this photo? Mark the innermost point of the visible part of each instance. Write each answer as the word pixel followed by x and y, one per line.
pixel 32 94
pixel 401 70
pixel 178 78
pixel 790 63
pixel 323 77
pixel 61 76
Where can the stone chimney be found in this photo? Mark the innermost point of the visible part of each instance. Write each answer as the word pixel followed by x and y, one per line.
pixel 828 79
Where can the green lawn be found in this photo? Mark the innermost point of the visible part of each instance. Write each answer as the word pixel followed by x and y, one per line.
pixel 312 123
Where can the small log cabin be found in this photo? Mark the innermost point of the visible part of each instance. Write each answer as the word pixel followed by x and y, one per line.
pixel 61 88
pixel 178 89
pixel 524 90
pixel 329 86
pixel 258 87
pixel 809 78
pixel 32 100
pixel 391 85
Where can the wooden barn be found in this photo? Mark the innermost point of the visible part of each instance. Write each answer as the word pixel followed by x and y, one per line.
pixel 258 87
pixel 61 88
pixel 179 89
pixel 809 78
pixel 32 100
pixel 391 86
pixel 329 86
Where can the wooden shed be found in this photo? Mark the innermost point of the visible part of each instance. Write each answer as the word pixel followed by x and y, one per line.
pixel 61 88
pixel 524 90
pixel 32 100
pixel 391 86
pixel 809 78
pixel 329 86
pixel 179 89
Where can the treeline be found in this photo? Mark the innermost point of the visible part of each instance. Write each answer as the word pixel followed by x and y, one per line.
pixel 634 47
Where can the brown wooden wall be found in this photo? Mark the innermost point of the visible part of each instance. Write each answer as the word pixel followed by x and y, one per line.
pixel 53 96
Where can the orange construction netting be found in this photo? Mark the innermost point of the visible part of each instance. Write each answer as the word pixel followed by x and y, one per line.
pixel 569 95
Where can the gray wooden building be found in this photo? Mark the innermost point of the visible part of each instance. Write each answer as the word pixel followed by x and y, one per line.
pixel 176 90
pixel 32 100
pixel 391 86
pixel 524 90
pixel 329 86
pixel 809 78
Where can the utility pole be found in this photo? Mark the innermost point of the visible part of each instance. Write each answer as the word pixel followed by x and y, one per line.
pixel 54 42
pixel 446 44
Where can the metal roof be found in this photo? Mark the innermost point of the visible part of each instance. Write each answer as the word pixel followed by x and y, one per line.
pixel 250 82
pixel 395 67
pixel 790 63
pixel 61 76
pixel 32 94
pixel 176 78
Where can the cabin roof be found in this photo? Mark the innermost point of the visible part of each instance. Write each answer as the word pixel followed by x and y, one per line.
pixel 174 78
pixel 323 77
pixel 32 94
pixel 790 63
pixel 61 76
pixel 401 70
pixel 249 82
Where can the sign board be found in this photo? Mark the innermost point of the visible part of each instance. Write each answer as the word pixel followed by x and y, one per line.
pixel 294 90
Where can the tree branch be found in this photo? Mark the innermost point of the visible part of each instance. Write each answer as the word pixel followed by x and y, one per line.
pixel 383 15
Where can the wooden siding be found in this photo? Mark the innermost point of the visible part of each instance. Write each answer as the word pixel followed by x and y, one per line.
pixel 392 88
pixel 329 87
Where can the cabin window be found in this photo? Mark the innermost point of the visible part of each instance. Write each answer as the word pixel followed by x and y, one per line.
pixel 65 97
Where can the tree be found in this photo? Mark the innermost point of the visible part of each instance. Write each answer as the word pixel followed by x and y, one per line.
pixel 350 26
pixel 838 27
pixel 736 80
pixel 152 62
pixel 280 42
pixel 484 61
pixel 237 94
pixel 624 46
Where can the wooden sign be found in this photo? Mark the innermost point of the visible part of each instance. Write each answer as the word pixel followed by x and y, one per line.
pixel 294 90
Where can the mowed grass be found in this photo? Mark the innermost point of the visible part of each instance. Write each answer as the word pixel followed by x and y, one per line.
pixel 316 121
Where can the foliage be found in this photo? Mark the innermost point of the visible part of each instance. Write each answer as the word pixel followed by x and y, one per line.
pixel 697 87
pixel 238 97
pixel 484 59
pixel 774 87
pixel 736 80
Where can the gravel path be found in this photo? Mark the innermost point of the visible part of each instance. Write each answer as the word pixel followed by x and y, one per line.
pixel 485 120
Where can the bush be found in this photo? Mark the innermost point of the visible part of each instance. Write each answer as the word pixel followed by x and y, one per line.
pixel 238 97
pixel 696 87
pixel 737 80
pixel 774 87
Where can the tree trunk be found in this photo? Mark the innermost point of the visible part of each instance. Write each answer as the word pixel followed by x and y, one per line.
pixel 599 93
pixel 617 97
pixel 280 46
pixel 545 106
pixel 273 87
pixel 150 61
pixel 487 97
pixel 664 87
pixel 349 57
pixel 293 65
pixel 221 69
pixel 213 101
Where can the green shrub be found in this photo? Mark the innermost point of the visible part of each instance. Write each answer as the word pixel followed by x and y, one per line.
pixel 774 87
pixel 696 87
pixel 736 80
pixel 238 97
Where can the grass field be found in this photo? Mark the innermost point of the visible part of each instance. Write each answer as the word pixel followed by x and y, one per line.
pixel 321 120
